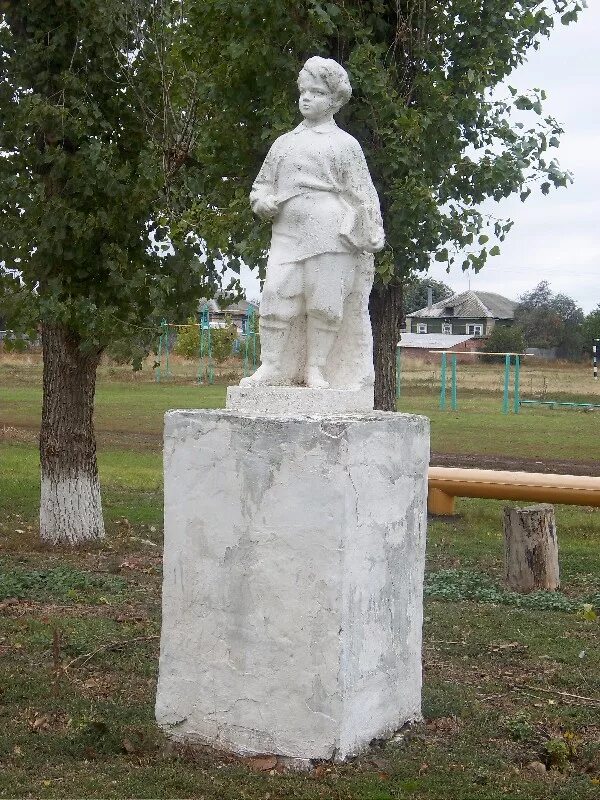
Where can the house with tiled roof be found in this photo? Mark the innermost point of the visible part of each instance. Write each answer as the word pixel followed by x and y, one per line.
pixel 465 314
pixel 221 313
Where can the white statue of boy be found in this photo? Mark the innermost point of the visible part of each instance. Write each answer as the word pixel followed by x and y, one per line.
pixel 316 188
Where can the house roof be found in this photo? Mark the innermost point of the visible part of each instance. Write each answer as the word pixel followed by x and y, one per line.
pixel 432 341
pixel 470 305
pixel 239 307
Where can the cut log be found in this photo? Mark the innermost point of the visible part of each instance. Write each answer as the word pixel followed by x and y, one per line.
pixel 530 548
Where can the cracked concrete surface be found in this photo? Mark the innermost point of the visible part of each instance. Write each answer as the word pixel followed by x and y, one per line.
pixel 293 570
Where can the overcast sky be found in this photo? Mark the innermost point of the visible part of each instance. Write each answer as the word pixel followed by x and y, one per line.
pixel 555 237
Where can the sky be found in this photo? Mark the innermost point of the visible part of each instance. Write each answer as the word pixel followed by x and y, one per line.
pixel 555 237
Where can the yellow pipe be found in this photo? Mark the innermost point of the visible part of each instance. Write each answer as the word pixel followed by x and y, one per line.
pixel 446 483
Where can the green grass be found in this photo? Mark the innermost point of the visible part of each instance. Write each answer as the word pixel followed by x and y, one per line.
pixel 479 426
pixel 79 722
pixel 505 678
pixel 120 407
pixel 131 415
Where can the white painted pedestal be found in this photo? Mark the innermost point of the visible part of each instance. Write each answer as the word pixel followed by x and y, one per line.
pixel 293 573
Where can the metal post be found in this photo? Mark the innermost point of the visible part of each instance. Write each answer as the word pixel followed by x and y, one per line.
pixel 159 353
pixel 398 372
pixel 211 371
pixel 596 351
pixel 250 341
pixel 443 384
pixel 454 401
pixel 205 370
pixel 165 327
pixel 517 397
pixel 200 376
pixel 506 383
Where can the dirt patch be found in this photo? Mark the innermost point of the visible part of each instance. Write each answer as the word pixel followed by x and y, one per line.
pixel 487 461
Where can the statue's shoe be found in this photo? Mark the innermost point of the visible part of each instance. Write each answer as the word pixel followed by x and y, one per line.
pixel 315 379
pixel 264 376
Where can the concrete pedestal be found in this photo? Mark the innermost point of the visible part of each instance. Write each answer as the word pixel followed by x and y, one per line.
pixel 299 400
pixel 293 572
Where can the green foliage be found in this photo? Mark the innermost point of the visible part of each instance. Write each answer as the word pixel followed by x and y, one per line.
pixel 548 320
pixel 188 341
pixel 14 344
pixel 59 583
pixel 520 728
pixel 559 753
pixel 84 233
pixel 462 584
pixel 416 293
pixel 591 329
pixel 437 140
pixel 505 339
pixel 221 341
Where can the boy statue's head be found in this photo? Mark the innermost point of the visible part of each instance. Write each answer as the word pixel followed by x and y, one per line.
pixel 323 76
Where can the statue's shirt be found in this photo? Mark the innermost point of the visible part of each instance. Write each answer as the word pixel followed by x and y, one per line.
pixel 320 180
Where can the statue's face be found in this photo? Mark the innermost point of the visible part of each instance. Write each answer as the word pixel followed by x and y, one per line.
pixel 316 100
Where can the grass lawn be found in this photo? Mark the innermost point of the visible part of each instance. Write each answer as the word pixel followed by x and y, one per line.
pixel 510 682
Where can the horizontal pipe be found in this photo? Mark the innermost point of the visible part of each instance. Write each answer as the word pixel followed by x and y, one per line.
pixel 557 403
pixel 494 484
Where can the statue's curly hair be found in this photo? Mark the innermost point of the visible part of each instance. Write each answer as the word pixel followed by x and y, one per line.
pixel 333 75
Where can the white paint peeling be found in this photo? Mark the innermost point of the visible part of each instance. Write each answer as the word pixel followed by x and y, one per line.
pixel 293 570
pixel 70 509
pixel 298 400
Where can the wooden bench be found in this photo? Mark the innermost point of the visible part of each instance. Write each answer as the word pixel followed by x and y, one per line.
pixel 446 483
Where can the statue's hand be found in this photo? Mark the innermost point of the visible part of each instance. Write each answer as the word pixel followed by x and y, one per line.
pixel 266 207
pixel 348 242
pixel 377 242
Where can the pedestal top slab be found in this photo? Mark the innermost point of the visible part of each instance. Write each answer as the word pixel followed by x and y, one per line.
pixel 298 400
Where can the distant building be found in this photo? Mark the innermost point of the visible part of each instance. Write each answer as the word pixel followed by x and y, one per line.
pixel 425 345
pixel 236 312
pixel 471 314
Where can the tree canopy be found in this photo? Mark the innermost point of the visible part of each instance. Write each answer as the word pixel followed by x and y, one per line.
pixel 83 211
pixel 106 103
pixel 438 140
pixel 416 292
pixel 550 320
pixel 591 329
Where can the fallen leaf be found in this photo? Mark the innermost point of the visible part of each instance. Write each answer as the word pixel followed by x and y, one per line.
pixel 39 723
pixel 128 746
pixel 262 763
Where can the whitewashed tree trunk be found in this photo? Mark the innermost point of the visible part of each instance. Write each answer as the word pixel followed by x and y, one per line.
pixel 531 548
pixel 70 504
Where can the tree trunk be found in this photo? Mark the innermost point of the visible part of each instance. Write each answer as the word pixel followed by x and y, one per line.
pixel 531 548
pixel 385 309
pixel 70 504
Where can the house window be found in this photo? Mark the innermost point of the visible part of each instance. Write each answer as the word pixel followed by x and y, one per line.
pixel 421 327
pixel 475 330
pixel 446 327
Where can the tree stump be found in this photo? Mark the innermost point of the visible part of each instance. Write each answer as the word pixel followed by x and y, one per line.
pixel 530 548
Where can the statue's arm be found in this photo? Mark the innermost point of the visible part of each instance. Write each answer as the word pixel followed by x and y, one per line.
pixel 363 196
pixel 262 195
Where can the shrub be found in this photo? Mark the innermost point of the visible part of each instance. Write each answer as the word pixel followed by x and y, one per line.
pixel 504 339
pixel 222 339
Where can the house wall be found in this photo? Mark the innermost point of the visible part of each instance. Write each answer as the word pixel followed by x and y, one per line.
pixel 425 354
pixel 459 325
